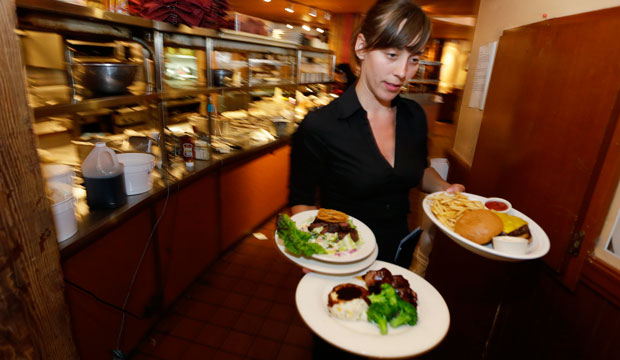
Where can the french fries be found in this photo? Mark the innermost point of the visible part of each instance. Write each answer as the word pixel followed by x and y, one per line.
pixel 449 208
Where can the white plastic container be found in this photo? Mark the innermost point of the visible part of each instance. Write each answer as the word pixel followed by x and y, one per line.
pixel 202 150
pixel 63 210
pixel 58 173
pixel 138 167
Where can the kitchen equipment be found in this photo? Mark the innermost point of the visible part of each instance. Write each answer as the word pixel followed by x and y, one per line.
pixel 63 209
pixel 103 178
pixel 58 173
pixel 281 126
pixel 221 77
pixel 201 148
pixel 105 78
pixel 137 171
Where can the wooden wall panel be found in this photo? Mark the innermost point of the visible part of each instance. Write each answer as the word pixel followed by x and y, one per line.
pixel 188 235
pixel 252 192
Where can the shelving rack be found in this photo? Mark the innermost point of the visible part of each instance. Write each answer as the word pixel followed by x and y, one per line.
pixel 84 23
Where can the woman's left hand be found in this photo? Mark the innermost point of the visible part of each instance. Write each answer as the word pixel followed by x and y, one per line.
pixel 454 188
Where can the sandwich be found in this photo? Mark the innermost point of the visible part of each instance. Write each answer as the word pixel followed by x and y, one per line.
pixel 514 226
pixel 479 225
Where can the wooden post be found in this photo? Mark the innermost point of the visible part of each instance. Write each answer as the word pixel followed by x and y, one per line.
pixel 34 316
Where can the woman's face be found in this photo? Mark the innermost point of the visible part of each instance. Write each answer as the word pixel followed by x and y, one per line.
pixel 384 71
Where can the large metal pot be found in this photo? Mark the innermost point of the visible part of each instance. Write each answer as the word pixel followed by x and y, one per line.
pixel 105 78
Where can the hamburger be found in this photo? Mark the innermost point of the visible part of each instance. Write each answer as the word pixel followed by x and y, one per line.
pixel 479 225
pixel 514 226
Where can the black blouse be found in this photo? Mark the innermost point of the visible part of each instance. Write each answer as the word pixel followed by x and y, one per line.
pixel 334 151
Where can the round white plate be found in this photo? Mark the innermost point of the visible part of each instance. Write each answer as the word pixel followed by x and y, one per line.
pixel 329 267
pixel 538 246
pixel 364 338
pixel 366 237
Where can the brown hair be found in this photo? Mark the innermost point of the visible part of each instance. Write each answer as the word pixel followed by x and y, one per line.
pixel 396 24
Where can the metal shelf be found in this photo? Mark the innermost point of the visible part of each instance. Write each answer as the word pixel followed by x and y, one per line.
pixel 92 104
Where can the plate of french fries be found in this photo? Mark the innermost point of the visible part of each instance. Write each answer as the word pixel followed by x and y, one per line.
pixel 445 209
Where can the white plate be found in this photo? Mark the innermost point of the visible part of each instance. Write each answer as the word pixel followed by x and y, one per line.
pixel 364 338
pixel 366 237
pixel 538 246
pixel 328 267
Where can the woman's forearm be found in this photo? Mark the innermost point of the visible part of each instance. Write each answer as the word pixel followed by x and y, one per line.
pixel 432 182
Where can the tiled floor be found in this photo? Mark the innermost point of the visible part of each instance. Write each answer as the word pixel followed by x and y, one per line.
pixel 243 307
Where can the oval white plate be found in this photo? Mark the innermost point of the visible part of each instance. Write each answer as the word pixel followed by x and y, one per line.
pixel 331 268
pixel 538 247
pixel 363 338
pixel 367 238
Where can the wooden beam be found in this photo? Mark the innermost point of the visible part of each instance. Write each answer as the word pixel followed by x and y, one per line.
pixel 35 319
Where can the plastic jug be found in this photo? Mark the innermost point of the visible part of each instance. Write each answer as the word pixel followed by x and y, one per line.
pixel 103 178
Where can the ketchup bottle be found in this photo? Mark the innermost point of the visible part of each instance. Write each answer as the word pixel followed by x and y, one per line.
pixel 187 149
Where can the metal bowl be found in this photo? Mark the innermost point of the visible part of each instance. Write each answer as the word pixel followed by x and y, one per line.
pixel 105 78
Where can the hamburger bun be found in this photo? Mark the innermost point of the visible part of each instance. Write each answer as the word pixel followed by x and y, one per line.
pixel 479 225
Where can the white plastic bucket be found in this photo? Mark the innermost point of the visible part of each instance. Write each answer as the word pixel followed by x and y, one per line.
pixel 64 211
pixel 442 166
pixel 138 168
pixel 58 173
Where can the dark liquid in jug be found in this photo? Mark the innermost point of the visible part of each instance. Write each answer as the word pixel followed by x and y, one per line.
pixel 105 192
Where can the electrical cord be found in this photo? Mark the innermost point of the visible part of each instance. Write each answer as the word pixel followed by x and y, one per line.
pixel 117 353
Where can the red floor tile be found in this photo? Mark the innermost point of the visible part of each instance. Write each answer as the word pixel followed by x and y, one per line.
pixel 288 352
pixel 166 347
pixel 208 294
pixel 258 306
pixel 237 343
pixel 180 326
pixel 264 349
pixel 212 335
pixel 224 355
pixel 235 301
pixel 273 329
pixel 142 356
pixel 199 352
pixel 281 312
pixel 249 324
pixel 196 309
pixel 224 317
pixel 299 335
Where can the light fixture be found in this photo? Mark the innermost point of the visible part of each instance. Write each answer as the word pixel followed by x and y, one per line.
pixel 289 26
pixel 320 30
pixel 289 8
pixel 312 12
pixel 267 0
pixel 327 16
pixel 306 27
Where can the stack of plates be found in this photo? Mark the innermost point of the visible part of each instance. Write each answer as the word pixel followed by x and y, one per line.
pixel 335 264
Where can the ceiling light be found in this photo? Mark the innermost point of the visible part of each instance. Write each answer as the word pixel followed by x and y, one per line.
pixel 327 16
pixel 289 8
pixel 320 30
pixel 306 27
pixel 267 0
pixel 289 26
pixel 312 12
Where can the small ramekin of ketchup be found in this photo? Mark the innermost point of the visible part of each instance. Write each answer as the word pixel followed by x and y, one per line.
pixel 497 204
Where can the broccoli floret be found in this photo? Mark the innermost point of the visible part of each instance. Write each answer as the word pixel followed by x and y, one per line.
pixel 387 307
pixel 297 242
pixel 376 313
pixel 407 314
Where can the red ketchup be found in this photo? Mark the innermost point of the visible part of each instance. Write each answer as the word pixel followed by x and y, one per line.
pixel 496 205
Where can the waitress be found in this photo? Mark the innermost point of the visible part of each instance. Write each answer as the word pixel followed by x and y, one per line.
pixel 362 153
